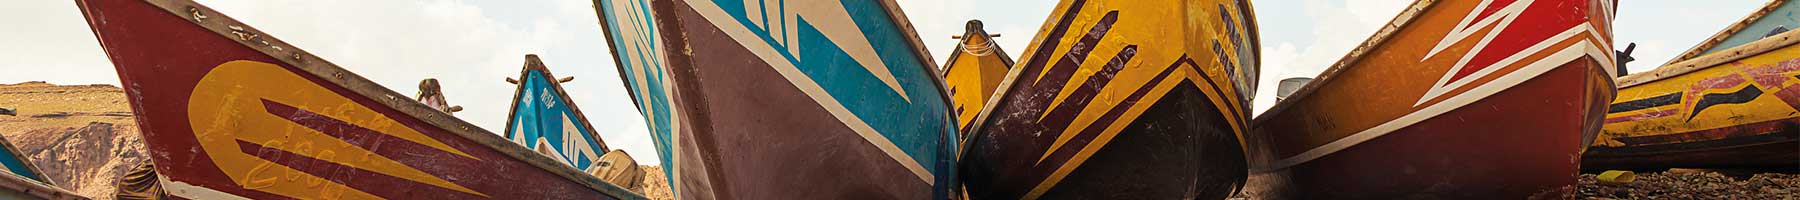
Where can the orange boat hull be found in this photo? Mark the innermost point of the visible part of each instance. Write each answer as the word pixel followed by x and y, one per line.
pixel 1454 100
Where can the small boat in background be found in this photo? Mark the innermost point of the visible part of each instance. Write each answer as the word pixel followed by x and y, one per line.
pixel 1754 27
pixel 1451 100
pixel 230 112
pixel 23 180
pixel 544 119
pixel 821 99
pixel 14 162
pixel 973 72
pixel 1729 102
pixel 1121 100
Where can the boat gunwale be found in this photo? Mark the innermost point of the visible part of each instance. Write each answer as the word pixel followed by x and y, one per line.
pixel 613 51
pixel 1708 61
pixel 532 62
pixel 893 12
pixel 222 25
pixel 1719 37
pixel 34 188
pixel 933 73
pixel 1400 21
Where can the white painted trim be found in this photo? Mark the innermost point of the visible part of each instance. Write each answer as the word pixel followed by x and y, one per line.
pixel 1565 55
pixel 189 191
pixel 769 54
pixel 1504 17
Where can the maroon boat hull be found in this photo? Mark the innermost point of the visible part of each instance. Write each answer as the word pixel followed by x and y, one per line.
pixel 173 65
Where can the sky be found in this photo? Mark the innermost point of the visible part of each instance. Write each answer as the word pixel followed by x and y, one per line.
pixel 471 46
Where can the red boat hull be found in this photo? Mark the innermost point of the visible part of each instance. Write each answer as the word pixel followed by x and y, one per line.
pixel 1522 140
pixel 223 119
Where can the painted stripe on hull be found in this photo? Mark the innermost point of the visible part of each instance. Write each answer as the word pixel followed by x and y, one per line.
pixel 1578 51
pixel 1110 73
pixel 760 118
pixel 1452 157
pixel 814 90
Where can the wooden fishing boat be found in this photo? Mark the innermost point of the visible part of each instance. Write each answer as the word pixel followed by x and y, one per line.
pixel 1729 102
pixel 1107 86
pixel 23 180
pixel 230 112
pixel 798 100
pixel 972 72
pixel 544 119
pixel 1754 27
pixel 1451 100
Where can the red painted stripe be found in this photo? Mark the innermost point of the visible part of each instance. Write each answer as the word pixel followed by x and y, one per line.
pixel 366 181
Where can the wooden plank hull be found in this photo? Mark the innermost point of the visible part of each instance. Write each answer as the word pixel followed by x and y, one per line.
pixel 228 112
pixel 1733 108
pixel 1453 100
pixel 973 72
pixel 786 100
pixel 1110 85
pixel 544 119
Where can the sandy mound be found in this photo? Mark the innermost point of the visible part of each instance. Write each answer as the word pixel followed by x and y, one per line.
pixel 656 186
pixel 82 136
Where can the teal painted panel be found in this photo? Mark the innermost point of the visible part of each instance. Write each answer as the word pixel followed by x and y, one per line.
pixel 1783 16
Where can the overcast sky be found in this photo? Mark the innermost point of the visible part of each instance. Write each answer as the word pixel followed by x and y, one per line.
pixel 470 46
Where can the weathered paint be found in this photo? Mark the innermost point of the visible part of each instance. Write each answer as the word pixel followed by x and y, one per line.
pixel 1738 112
pixel 740 94
pixel 229 112
pixel 1451 100
pixel 1773 18
pixel 973 72
pixel 544 119
pixel 1110 85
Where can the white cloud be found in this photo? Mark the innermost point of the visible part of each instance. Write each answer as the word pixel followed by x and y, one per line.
pixel 1664 29
pixel 1334 30
pixel 936 20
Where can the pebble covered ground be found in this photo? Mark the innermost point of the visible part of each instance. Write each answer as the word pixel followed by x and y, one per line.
pixel 1696 184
